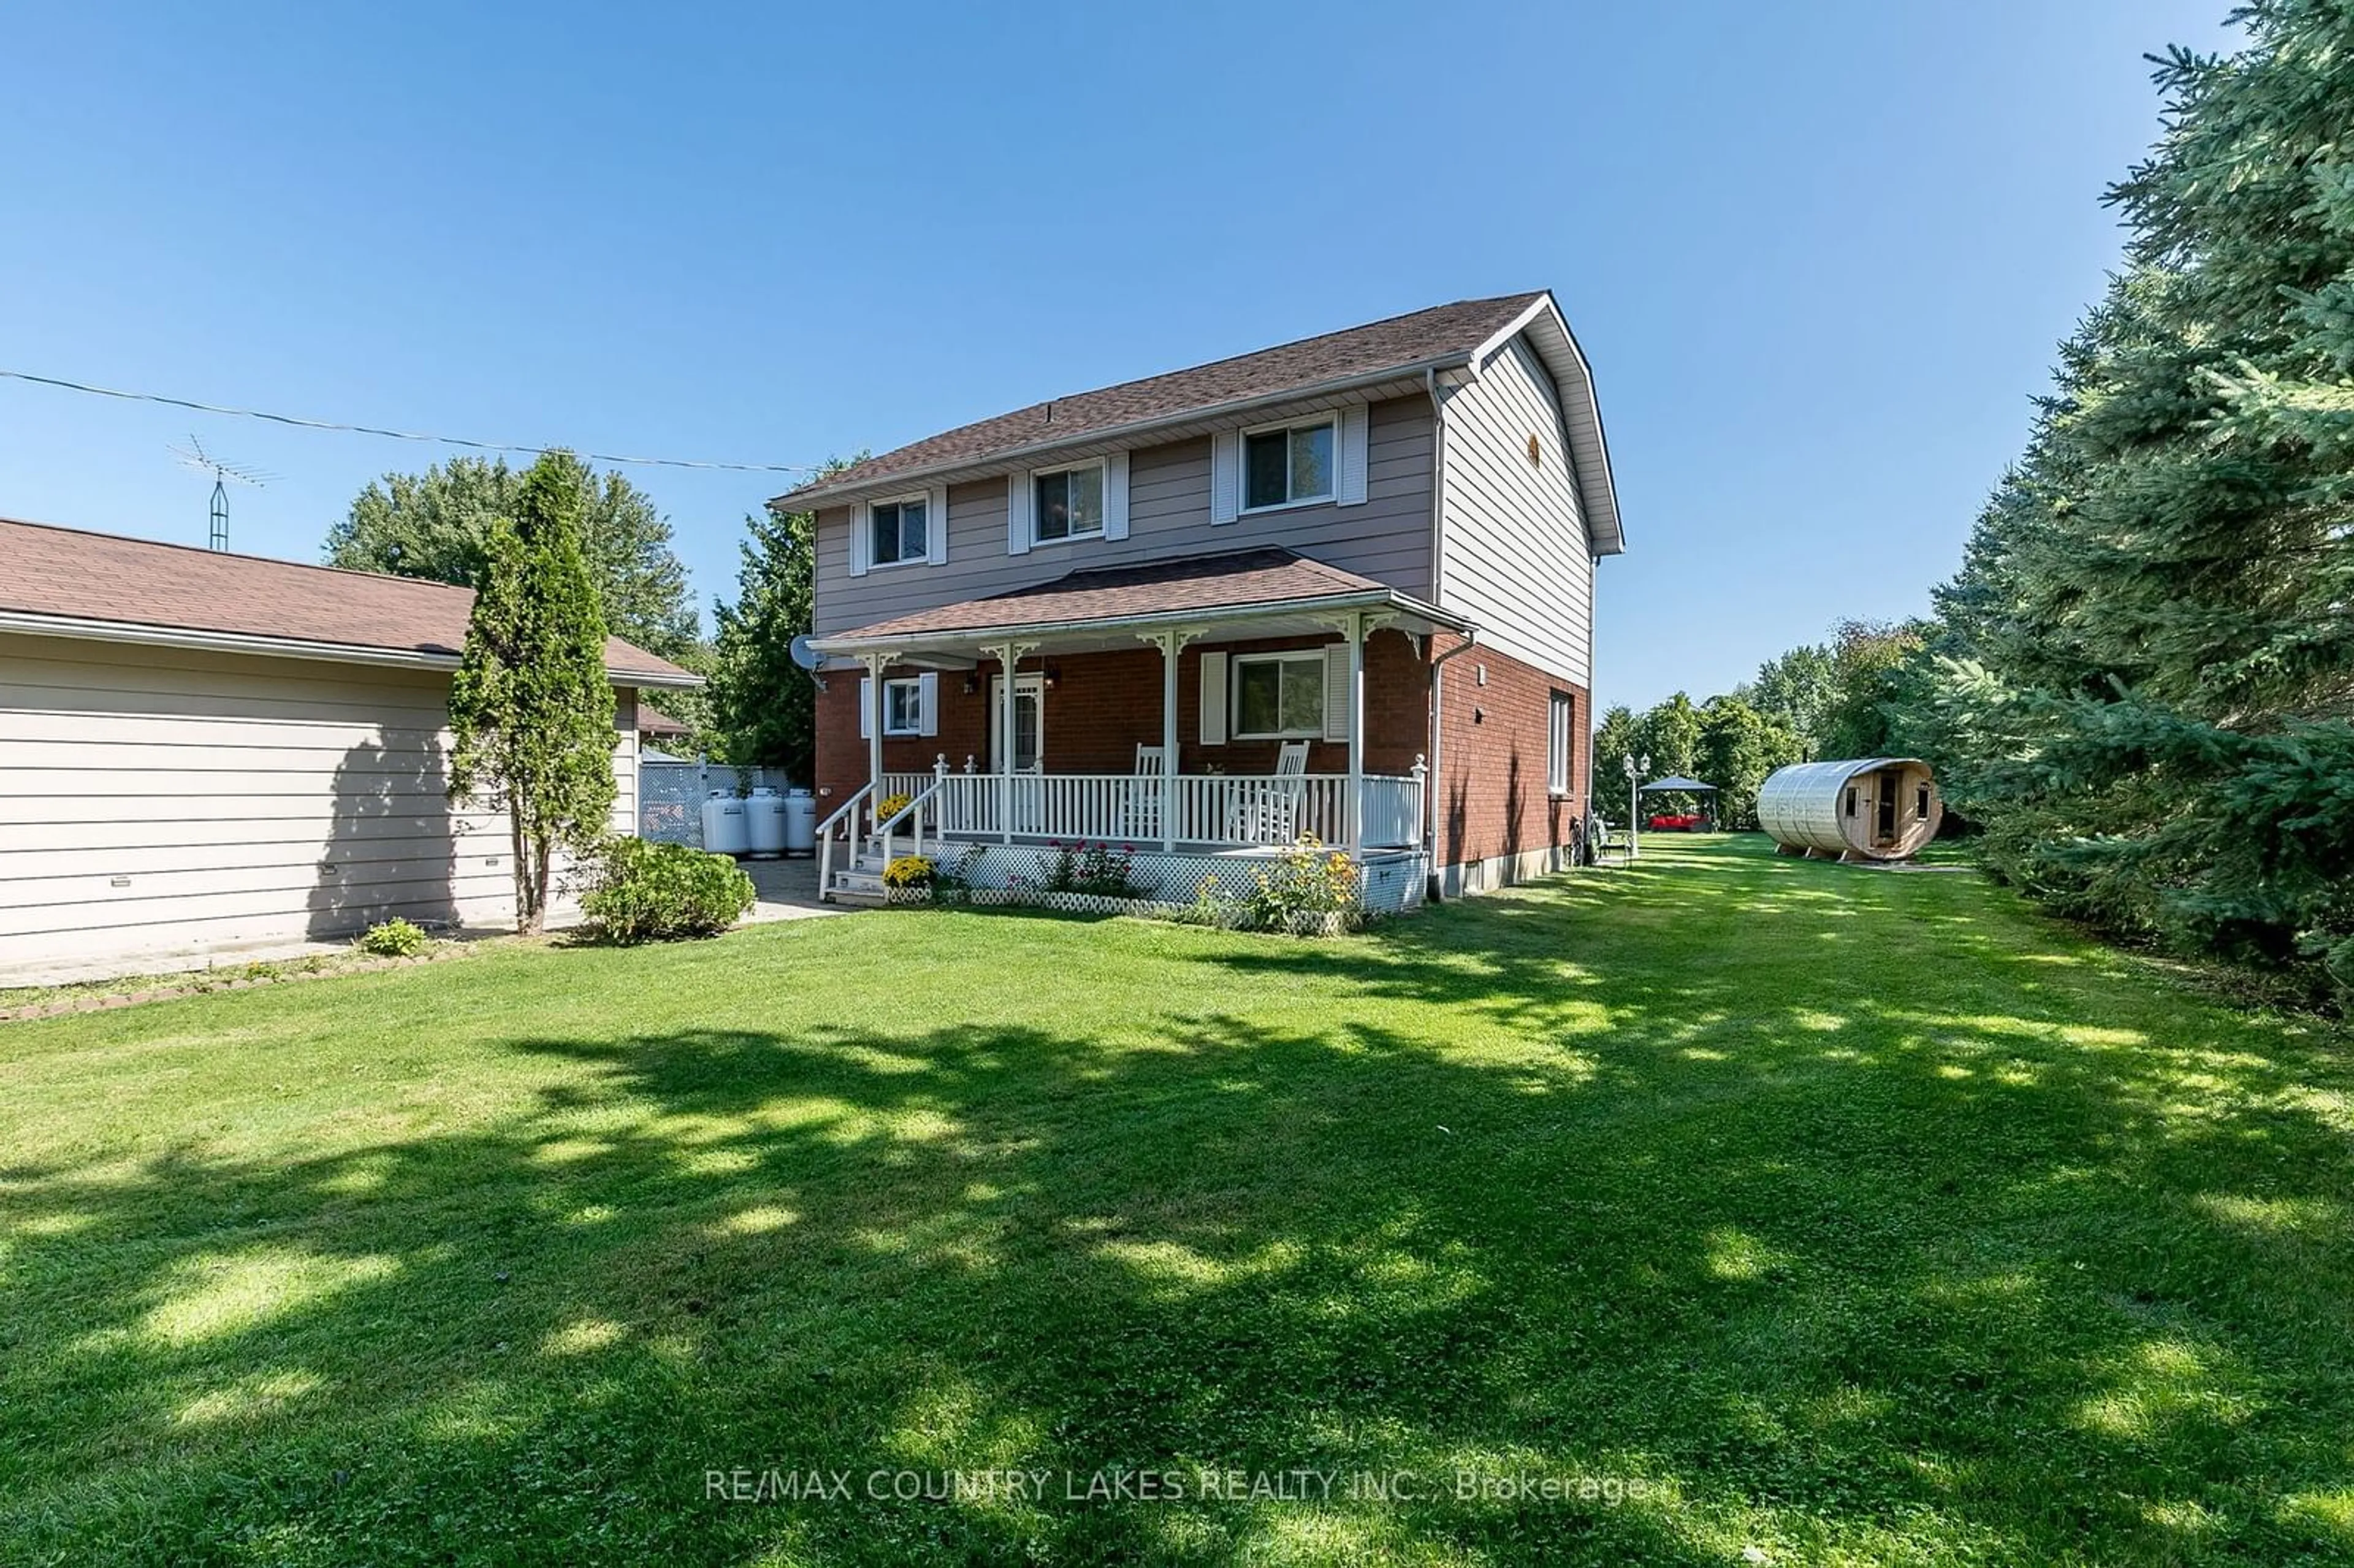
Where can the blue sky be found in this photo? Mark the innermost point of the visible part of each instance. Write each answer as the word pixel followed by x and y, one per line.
pixel 1819 254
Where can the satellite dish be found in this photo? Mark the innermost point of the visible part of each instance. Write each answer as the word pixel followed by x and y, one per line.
pixel 807 657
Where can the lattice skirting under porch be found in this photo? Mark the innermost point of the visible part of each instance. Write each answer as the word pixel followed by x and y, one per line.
pixel 1393 881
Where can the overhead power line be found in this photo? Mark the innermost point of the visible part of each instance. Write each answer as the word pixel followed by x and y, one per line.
pixel 398 435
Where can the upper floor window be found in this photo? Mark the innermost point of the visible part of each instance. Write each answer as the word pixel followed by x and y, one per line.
pixel 1070 502
pixel 899 531
pixel 1289 465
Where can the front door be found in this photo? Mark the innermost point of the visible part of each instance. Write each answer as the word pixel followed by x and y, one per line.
pixel 1029 721
pixel 1891 789
pixel 1029 746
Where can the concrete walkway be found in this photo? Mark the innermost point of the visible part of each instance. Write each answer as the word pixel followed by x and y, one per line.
pixel 788 890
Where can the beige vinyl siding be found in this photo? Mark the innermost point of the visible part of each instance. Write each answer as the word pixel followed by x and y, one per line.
pixel 245 800
pixel 1387 538
pixel 1514 552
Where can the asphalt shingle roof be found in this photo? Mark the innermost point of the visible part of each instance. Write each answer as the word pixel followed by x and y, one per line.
pixel 48 570
pixel 1232 580
pixel 1396 343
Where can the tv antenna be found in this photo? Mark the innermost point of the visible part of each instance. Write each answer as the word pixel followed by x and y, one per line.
pixel 194 456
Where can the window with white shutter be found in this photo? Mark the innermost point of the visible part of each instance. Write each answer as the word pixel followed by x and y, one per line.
pixel 1336 691
pixel 903 706
pixel 1355 435
pixel 1290 465
pixel 1560 735
pixel 1019 501
pixel 899 531
pixel 1279 696
pixel 1213 699
pixel 1226 481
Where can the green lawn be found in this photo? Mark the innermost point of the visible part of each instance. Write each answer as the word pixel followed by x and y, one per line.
pixel 1856 1216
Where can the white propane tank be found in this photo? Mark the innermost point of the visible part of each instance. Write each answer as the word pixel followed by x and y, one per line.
pixel 725 828
pixel 800 822
pixel 765 822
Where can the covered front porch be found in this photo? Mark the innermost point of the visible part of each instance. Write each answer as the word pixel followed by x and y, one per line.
pixel 1206 735
pixel 1191 811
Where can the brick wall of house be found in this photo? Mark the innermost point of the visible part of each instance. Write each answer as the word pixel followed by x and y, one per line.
pixel 1103 705
pixel 1493 799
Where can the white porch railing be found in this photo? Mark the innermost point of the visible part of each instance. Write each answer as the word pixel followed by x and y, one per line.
pixel 1236 809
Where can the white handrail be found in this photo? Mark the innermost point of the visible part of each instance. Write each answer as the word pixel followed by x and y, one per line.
pixel 825 839
pixel 915 808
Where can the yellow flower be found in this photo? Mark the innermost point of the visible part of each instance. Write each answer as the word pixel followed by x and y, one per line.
pixel 908 871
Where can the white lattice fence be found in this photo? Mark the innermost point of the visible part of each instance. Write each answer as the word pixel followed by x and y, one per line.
pixel 671 796
pixel 1392 884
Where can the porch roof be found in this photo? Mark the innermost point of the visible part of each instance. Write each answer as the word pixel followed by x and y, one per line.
pixel 1266 586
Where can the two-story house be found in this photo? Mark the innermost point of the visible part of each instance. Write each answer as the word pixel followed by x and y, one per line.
pixel 1344 587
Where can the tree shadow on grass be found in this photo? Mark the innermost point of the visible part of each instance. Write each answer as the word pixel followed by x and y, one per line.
pixel 1848 1267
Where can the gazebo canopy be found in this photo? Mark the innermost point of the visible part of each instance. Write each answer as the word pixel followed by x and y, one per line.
pixel 1677 782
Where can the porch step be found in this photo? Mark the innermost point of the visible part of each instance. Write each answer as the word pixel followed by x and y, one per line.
pixel 855 885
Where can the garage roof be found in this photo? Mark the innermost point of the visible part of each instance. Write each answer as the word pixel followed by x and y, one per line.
pixel 74 582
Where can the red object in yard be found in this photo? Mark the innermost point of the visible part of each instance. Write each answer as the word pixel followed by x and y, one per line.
pixel 1676 824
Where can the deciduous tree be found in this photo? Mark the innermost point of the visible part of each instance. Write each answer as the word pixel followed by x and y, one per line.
pixel 1738 748
pixel 438 524
pixel 763 706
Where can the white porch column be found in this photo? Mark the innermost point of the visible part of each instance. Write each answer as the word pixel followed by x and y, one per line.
pixel 874 663
pixel 1170 644
pixel 1006 658
pixel 1356 633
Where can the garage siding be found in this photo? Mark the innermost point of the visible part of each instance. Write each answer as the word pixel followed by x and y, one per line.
pixel 159 802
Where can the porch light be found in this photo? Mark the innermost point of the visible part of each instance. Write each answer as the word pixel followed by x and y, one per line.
pixel 1054 675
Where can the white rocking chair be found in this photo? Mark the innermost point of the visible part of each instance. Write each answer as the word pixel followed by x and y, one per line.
pixel 1269 813
pixel 1140 807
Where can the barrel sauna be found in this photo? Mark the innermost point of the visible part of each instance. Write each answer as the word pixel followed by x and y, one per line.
pixel 1874 808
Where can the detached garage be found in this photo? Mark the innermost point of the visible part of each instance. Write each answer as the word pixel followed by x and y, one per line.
pixel 202 751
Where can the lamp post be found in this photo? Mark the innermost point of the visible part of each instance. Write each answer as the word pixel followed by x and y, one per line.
pixel 1634 767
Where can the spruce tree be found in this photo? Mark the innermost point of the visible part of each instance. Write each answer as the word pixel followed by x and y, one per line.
pixel 530 708
pixel 2151 637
